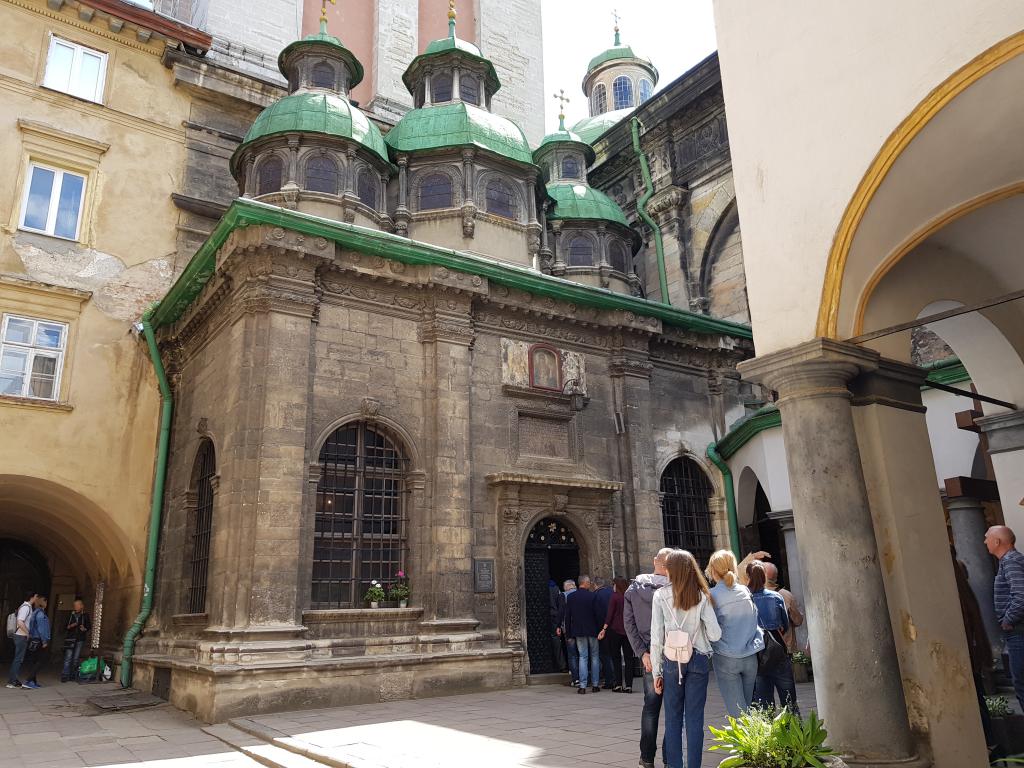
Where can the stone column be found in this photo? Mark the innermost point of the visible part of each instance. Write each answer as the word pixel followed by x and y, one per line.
pixel 1005 433
pixel 857 676
pixel 967 519
pixel 795 566
pixel 350 170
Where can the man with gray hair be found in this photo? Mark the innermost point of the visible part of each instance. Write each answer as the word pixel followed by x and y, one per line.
pixel 581 625
pixel 572 655
pixel 796 617
pixel 636 613
pixel 1009 599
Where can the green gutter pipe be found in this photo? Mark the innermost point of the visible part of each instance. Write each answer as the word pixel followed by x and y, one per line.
pixel 641 208
pixel 156 507
pixel 730 497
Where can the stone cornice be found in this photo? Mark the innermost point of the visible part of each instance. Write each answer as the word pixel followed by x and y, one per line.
pixel 522 478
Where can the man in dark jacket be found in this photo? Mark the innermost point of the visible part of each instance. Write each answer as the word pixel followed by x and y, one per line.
pixel 637 619
pixel 556 607
pixel 602 597
pixel 581 625
pixel 78 627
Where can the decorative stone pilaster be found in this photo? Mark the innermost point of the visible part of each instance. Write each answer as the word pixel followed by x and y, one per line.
pixel 967 521
pixel 558 267
pixel 1005 433
pixel 857 675
pixel 402 209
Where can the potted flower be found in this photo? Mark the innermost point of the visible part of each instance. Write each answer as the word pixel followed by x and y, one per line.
pixel 400 590
pixel 802 672
pixel 1007 726
pixel 374 594
pixel 761 739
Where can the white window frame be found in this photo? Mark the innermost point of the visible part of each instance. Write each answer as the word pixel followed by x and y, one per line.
pixel 76 62
pixel 51 213
pixel 34 352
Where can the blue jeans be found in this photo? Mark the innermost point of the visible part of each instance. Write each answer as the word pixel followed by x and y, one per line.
pixel 574 658
pixel 779 679
pixel 684 708
pixel 736 681
pixel 590 661
pixel 71 655
pixel 20 644
pixel 649 721
pixel 1015 650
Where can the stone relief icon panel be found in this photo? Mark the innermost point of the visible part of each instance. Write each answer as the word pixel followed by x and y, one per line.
pixel 542 366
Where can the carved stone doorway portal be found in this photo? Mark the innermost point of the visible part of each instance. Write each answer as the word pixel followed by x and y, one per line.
pixel 552 554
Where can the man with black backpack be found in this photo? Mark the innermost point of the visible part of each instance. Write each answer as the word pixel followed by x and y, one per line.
pixel 22 621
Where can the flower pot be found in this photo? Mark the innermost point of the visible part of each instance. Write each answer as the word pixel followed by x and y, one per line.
pixel 403 603
pixel 801 673
pixel 373 604
pixel 1009 734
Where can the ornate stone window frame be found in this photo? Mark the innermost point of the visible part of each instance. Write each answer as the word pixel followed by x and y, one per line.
pixel 558 361
pixel 430 170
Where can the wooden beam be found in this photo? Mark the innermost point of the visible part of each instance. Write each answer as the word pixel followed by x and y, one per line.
pixel 971 487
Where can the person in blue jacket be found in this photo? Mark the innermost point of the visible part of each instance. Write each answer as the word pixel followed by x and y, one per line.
pixel 38 642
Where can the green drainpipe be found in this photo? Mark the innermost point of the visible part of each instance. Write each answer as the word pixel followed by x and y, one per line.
pixel 156 507
pixel 641 208
pixel 730 497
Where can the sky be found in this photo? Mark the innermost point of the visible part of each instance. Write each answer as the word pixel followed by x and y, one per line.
pixel 673 34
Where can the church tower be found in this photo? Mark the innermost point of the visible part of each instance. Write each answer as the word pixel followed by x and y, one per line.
pixel 618 78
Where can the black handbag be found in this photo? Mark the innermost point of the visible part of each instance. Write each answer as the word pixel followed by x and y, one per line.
pixel 34 644
pixel 773 655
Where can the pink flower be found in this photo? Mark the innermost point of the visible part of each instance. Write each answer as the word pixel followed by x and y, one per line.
pixel 401 574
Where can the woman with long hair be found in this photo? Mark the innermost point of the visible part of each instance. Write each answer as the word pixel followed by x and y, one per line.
pixel 776 669
pixel 614 630
pixel 736 653
pixel 683 627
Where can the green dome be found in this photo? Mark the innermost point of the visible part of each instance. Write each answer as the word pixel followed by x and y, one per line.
pixel 452 44
pixel 613 53
pixel 449 45
pixel 316 112
pixel 459 125
pixel 591 128
pixel 563 136
pixel 320 39
pixel 579 201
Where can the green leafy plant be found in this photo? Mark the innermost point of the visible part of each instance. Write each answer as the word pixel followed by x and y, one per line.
pixel 757 739
pixel 400 589
pixel 998 706
pixel 801 658
pixel 375 593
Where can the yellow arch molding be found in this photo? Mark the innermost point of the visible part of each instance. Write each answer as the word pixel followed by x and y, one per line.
pixel 898 141
pixel 947 217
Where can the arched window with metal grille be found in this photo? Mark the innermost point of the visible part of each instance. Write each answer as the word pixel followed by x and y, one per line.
pixel 622 92
pixel 501 200
pixel 367 188
pixel 618 256
pixel 361 503
pixel 268 176
pixel 646 89
pixel 441 87
pixel 599 100
pixel 435 192
pixel 322 75
pixel 581 252
pixel 322 174
pixel 685 509
pixel 198 564
pixel 469 89
pixel 570 167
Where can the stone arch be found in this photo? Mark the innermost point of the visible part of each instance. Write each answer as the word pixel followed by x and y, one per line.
pixel 569 235
pixel 454 175
pixel 722 281
pixel 263 163
pixel 746 495
pixel 393 429
pixel 484 178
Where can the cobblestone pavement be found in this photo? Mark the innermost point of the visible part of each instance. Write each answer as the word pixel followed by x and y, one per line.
pixel 542 726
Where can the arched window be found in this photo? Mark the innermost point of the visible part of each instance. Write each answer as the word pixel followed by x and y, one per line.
pixel 435 192
pixel 581 252
pixel 622 92
pixel 501 200
pixel 322 174
pixel 599 100
pixel 441 87
pixel 685 513
pixel 198 563
pixel 322 75
pixel 360 528
pixel 268 179
pixel 368 188
pixel 646 88
pixel 617 256
pixel 570 167
pixel 545 368
pixel 469 89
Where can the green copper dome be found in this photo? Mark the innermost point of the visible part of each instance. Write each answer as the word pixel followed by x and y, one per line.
pixel 579 201
pixel 616 52
pixel 322 38
pixel 459 125
pixel 449 45
pixel 591 128
pixel 316 112
pixel 564 136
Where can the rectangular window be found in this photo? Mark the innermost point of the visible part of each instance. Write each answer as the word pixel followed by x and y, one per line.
pixel 53 202
pixel 75 69
pixel 31 357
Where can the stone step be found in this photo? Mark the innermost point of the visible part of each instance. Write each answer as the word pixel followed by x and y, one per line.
pixel 263 752
pixel 356 755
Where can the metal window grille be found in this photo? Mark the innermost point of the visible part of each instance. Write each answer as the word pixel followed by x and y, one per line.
pixel 199 558
pixel 441 88
pixel 570 167
pixel 269 178
pixel 436 192
pixel 684 509
pixel 322 175
pixel 646 88
pixel 366 188
pixel 322 76
pixel 617 256
pixel 599 96
pixel 501 200
pixel 469 90
pixel 622 92
pixel 581 252
pixel 360 530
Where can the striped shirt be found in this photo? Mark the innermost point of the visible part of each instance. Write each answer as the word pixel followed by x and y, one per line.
pixel 1009 590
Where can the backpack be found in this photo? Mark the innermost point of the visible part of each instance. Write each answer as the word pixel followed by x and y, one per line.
pixel 12 624
pixel 678 643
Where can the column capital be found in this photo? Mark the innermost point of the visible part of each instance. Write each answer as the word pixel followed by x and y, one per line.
pixel 784 517
pixel 893 384
pixel 964 504
pixel 1005 431
pixel 817 368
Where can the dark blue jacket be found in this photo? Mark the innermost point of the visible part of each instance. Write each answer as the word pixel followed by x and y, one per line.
pixel 581 614
pixel 602 597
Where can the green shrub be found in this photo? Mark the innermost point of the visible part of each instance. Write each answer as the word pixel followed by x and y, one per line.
pixel 757 739
pixel 801 658
pixel 998 706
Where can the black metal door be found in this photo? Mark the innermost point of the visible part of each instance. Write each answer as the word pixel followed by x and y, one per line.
pixel 538 615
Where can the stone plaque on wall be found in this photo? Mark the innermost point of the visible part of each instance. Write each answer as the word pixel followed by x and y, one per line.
pixel 544 438
pixel 483 575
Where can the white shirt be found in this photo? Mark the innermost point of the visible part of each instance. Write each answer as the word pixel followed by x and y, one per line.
pixel 24 616
pixel 699 621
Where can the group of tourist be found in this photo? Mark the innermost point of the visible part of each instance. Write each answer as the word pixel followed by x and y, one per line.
pixel 745 622
pixel 29 630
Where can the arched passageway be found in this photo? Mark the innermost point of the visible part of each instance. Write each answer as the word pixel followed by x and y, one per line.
pixel 552 554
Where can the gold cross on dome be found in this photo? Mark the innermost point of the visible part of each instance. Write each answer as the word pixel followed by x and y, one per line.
pixel 615 15
pixel 562 101
pixel 323 9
